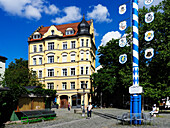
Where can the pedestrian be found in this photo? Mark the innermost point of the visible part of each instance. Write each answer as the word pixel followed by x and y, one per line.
pixel 69 106
pixel 89 110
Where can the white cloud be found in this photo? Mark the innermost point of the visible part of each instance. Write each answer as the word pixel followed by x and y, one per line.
pixel 109 36
pixel 99 14
pixel 31 9
pixel 32 12
pixel 52 9
pixel 72 14
pixel 155 2
pixel 95 32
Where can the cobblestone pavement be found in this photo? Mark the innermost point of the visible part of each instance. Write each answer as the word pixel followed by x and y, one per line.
pixel 101 118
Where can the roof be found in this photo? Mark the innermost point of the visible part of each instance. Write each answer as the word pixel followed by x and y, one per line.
pixel 2 57
pixel 30 88
pixel 61 28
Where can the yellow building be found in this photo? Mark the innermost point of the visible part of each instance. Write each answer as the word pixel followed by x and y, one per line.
pixel 63 56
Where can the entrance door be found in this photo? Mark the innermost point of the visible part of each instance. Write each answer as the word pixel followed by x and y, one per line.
pixel 63 101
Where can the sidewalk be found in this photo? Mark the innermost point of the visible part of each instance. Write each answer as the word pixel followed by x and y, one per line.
pixel 66 119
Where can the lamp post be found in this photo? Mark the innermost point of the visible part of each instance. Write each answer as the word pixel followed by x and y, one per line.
pixel 83 111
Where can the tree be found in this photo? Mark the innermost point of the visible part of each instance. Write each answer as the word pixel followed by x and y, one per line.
pixel 16 77
pixel 115 78
pixel 155 76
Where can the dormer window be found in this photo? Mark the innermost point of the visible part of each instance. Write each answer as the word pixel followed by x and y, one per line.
pixel 52 32
pixel 69 31
pixel 36 35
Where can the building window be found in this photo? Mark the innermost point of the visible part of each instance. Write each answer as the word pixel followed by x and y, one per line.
pixel 82 55
pixel 87 68
pixel 72 71
pixel 34 73
pixel 58 59
pixel 40 48
pixel 50 59
pixel 87 55
pixel 50 85
pixel 82 84
pixel 40 61
pixel 69 32
pixel 82 42
pixel 64 85
pixel 86 84
pixel 87 42
pixel 65 45
pixel 64 58
pixel 37 36
pixel 81 70
pixel 73 56
pixel 40 73
pixel 64 72
pixel 34 48
pixel 52 32
pixel 72 85
pixel 50 72
pixel 34 61
pixel 73 44
pixel 57 73
pixel 51 46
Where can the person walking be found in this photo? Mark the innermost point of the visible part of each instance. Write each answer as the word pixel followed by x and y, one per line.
pixel 89 108
pixel 69 106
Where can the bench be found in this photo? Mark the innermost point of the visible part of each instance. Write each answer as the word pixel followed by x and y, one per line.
pixel 130 117
pixel 37 115
pixel 77 111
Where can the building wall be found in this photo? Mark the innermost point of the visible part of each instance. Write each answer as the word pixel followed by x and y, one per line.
pixel 58 65
pixel 2 67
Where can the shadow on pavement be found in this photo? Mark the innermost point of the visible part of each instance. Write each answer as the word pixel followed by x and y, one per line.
pixel 105 115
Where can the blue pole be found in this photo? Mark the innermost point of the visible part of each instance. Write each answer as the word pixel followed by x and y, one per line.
pixel 135 106
pixel 140 99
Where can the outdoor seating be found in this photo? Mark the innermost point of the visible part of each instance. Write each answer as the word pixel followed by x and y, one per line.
pixel 134 118
pixel 37 115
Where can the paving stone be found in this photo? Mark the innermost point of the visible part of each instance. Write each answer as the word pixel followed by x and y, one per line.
pixel 106 119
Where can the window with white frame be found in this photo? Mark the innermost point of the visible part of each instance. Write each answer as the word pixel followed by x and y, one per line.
pixel 51 46
pixel 50 72
pixel 64 45
pixel 73 44
pixel 87 42
pixel 86 84
pixel 64 72
pixel 34 61
pixel 40 60
pixel 81 70
pixel 82 84
pixel 34 48
pixel 69 32
pixel 81 55
pixel 72 85
pixel 50 85
pixel 87 69
pixel 57 58
pixel 40 74
pixel 87 55
pixel 40 48
pixel 50 59
pixel 73 57
pixel 72 71
pixel 64 85
pixel 64 58
pixel 34 73
pixel 82 42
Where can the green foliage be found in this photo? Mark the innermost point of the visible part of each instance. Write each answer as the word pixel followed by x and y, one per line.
pixel 16 77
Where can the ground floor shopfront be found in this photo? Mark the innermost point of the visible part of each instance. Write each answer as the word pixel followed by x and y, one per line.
pixel 73 97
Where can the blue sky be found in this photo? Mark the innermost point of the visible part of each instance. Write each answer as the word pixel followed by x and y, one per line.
pixel 19 19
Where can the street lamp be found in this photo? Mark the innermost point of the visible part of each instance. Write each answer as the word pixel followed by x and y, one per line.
pixel 83 111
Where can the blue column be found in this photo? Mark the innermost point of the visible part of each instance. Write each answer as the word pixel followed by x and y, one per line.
pixel 135 105
pixel 140 104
